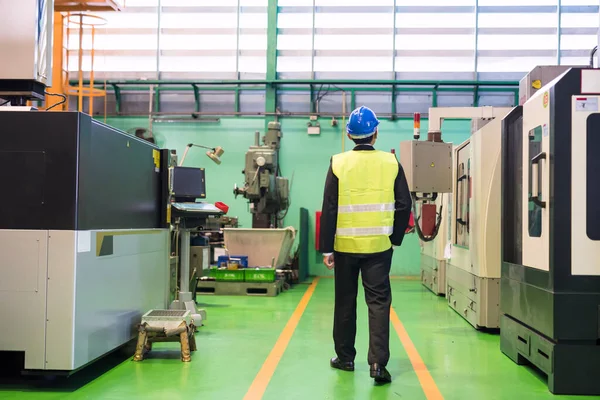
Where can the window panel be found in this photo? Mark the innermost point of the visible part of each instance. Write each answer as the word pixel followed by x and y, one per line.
pixel 579 2
pixel 198 20
pixel 574 61
pixel 294 42
pixel 435 42
pixel 512 64
pixel 435 64
pixel 579 20
pixel 282 3
pixel 142 3
pixel 115 64
pixel 253 64
pixel 253 3
pixel 197 42
pixel 517 42
pixel 517 2
pixel 352 64
pixel 253 42
pixel 353 20
pixel 434 20
pixel 294 20
pixel 127 20
pixel 503 20
pixel 113 42
pixel 194 3
pixel 253 20
pixel 578 42
pixel 426 3
pixel 353 42
pixel 197 64
pixel 354 3
pixel 294 64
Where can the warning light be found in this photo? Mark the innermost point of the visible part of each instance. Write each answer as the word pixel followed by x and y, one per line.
pixel 417 125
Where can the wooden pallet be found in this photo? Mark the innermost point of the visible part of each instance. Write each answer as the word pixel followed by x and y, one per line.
pixel 239 288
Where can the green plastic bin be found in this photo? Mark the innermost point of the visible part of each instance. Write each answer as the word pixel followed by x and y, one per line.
pixel 260 275
pixel 230 275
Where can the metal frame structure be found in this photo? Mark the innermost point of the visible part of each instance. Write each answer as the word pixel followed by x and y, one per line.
pixel 273 77
pixel 275 87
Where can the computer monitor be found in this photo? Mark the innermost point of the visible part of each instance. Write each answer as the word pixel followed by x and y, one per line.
pixel 188 184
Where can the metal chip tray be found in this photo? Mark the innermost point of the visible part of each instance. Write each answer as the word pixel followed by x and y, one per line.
pixel 166 318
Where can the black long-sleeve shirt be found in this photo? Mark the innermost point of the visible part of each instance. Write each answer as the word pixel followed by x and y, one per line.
pixel 329 211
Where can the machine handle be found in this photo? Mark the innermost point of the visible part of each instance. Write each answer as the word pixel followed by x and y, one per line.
pixel 536 161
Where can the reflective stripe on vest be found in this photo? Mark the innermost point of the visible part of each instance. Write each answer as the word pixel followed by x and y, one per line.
pixel 365 200
pixel 366 208
pixel 379 230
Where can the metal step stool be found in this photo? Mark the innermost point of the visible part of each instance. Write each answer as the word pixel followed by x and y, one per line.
pixel 166 326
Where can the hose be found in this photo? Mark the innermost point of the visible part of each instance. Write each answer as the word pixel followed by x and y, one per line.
pixel 594 50
pixel 438 221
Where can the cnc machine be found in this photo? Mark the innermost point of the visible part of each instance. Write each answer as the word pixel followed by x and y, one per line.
pixel 550 287
pixel 84 235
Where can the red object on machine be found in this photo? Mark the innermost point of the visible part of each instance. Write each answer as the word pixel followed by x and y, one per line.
pixel 317 229
pixel 222 206
pixel 428 219
pixel 411 224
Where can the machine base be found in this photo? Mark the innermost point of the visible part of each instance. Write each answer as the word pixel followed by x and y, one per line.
pixel 433 274
pixel 571 368
pixel 475 298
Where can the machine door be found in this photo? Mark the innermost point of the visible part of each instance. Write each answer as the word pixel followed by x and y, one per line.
pixel 536 181
pixel 463 195
pixel 585 186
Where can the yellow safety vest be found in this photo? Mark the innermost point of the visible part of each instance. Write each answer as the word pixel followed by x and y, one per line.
pixel 365 200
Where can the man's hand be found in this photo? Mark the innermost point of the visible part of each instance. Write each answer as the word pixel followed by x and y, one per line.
pixel 328 261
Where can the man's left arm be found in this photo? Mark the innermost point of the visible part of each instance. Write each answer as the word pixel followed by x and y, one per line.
pixel 403 204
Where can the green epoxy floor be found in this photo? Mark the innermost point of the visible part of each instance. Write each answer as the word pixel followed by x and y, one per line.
pixel 241 331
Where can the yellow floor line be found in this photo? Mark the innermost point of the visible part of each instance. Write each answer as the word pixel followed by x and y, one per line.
pixel 262 379
pixel 427 383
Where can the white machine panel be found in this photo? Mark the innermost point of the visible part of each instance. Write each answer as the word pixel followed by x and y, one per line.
pixel 60 329
pixel 590 81
pixel 23 275
pixel 26 34
pixel 585 252
pixel 536 146
pixel 476 217
pixel 68 297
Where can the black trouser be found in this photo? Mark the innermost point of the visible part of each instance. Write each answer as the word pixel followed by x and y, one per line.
pixel 375 270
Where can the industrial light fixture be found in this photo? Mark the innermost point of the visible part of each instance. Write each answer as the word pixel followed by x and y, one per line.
pixel 214 153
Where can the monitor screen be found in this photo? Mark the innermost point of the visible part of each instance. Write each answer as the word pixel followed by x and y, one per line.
pixel 188 183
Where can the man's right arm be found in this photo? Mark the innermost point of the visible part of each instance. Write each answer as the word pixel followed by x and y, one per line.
pixel 329 213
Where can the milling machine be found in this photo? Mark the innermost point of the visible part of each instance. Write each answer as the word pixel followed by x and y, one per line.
pixel 265 189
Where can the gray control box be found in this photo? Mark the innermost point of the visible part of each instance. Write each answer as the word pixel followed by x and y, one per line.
pixel 427 166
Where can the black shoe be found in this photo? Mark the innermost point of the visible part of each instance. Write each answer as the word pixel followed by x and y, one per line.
pixel 380 374
pixel 343 365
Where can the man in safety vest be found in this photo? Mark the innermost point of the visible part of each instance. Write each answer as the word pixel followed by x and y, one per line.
pixel 366 207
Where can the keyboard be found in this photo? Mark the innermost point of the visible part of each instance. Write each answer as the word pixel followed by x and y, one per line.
pixel 197 207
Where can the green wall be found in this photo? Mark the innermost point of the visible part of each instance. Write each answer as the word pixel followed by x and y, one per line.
pixel 304 158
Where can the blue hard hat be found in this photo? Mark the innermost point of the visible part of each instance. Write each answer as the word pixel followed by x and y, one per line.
pixel 362 123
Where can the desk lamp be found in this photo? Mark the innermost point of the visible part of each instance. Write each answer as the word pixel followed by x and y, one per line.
pixel 214 153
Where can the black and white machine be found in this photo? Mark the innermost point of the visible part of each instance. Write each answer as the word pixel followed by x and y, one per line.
pixel 84 237
pixel 550 285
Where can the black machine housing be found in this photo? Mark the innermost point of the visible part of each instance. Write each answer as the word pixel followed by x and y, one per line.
pixel 67 171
